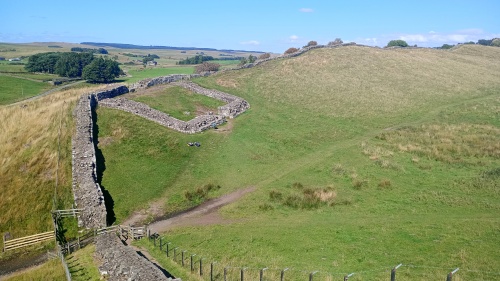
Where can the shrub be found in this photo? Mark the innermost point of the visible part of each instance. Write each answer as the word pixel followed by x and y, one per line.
pixel 266 207
pixel 201 193
pixel 264 56
pixel 275 195
pixel 291 50
pixel 397 43
pixel 207 66
pixel 496 42
pixel 385 183
pixel 312 43
pixel 337 41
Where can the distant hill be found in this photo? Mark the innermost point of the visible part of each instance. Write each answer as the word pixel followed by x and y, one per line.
pixel 131 46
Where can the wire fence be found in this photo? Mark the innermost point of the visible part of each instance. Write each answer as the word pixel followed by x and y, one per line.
pixel 209 269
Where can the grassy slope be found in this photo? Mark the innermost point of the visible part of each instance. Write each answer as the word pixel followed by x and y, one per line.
pixel 138 75
pixel 423 191
pixel 29 150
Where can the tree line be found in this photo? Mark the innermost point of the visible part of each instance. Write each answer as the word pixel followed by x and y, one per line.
pixel 69 64
pixel 195 60
pixel 90 50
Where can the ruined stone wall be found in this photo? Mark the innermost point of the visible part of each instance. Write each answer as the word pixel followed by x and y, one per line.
pixel 161 80
pixel 234 107
pixel 86 191
pixel 198 124
pixel 120 262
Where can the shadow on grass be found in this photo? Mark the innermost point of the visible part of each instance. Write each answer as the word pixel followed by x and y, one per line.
pixel 101 167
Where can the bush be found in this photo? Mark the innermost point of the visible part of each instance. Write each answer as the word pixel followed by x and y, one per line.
pixel 275 195
pixel 201 193
pixel 337 41
pixel 291 50
pixel 207 66
pixel 264 56
pixel 397 43
pixel 446 46
pixel 312 43
pixel 496 42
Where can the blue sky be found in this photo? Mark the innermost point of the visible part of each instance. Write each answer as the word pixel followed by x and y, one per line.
pixel 272 25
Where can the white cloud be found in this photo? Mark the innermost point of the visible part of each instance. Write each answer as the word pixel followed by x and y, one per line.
pixel 433 38
pixel 251 42
pixel 306 10
pixel 294 38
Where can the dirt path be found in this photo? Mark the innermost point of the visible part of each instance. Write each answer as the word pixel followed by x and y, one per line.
pixel 205 214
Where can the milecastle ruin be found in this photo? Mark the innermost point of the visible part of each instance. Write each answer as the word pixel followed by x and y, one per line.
pixel 121 262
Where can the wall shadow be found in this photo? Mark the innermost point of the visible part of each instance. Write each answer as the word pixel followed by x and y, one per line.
pixel 100 168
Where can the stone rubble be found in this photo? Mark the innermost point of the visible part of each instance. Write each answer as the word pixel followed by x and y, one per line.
pixel 122 263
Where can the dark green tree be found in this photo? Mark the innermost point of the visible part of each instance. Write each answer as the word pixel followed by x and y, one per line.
pixel 42 62
pixel 101 71
pixel 397 43
pixel 446 46
pixel 72 64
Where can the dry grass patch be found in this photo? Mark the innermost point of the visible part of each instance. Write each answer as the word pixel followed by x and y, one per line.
pixel 29 153
pixel 446 142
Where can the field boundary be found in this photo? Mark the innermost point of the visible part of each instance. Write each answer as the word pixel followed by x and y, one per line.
pixel 11 244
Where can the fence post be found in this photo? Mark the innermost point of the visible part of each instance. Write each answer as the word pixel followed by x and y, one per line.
pixel 261 275
pixel 242 274
pixel 449 277
pixel 212 271
pixel 175 253
pixel 154 241
pixel 192 264
pixel 311 275
pixel 282 277
pixel 225 273
pixel 183 258
pixel 167 249
pixel 161 248
pixel 201 267
pixel 393 272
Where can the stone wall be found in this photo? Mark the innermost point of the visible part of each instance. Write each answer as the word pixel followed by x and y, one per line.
pixel 120 262
pixel 234 107
pixel 198 124
pixel 86 191
pixel 162 80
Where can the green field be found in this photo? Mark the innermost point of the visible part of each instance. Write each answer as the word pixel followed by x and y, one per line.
pixel 13 89
pixel 363 158
pixel 138 75
pixel 179 102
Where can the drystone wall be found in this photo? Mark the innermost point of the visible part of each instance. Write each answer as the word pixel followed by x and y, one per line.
pixel 234 107
pixel 122 263
pixel 195 125
pixel 161 80
pixel 86 191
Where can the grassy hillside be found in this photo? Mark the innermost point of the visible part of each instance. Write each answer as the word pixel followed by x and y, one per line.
pixel 363 158
pixel 29 134
pixel 13 89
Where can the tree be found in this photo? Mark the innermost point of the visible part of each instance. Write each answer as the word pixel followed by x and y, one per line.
pixel 397 43
pixel 496 42
pixel 101 71
pixel 291 50
pixel 337 41
pixel 252 59
pixel 446 46
pixel 485 42
pixel 72 64
pixel 43 62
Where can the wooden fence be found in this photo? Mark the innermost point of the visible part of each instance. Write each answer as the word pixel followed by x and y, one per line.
pixel 66 213
pixel 27 240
